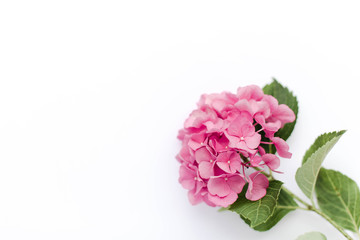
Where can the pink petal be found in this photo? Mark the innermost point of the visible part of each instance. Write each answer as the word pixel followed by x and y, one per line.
pixel 219 143
pixel 235 166
pixel 261 150
pixel 218 186
pixel 202 154
pixel 258 183
pixel 206 169
pixel 282 147
pixel 255 161
pixel 224 166
pixel 223 201
pixel 236 183
pixel 272 161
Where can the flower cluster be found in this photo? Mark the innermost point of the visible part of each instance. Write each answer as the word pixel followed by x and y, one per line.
pixel 221 145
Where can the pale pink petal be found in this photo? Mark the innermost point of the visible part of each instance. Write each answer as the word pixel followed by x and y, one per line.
pixel 258 183
pixel 253 141
pixel 194 198
pixel 260 107
pixel 223 201
pixel 181 134
pixel 218 186
pixel 282 147
pixel 235 128
pixel 272 102
pixel 284 114
pixel 243 105
pixel 250 92
pixel 247 129
pixel 272 161
pixel 185 156
pixel 187 177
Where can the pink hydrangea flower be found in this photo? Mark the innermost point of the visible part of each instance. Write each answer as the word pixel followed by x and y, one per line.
pixel 221 145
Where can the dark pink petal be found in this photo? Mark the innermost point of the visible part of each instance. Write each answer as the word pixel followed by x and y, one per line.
pixel 206 169
pixel 218 186
pixel 223 201
pixel 282 147
pixel 258 183
pixel 272 161
pixel 236 183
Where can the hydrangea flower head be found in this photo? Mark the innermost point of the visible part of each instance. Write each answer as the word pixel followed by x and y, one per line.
pixel 221 145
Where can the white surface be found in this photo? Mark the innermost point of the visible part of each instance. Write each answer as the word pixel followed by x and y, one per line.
pixel 92 94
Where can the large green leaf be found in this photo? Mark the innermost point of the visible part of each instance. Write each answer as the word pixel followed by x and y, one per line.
pixel 312 236
pixel 306 175
pixel 284 205
pixel 320 141
pixel 339 198
pixel 284 96
pixel 257 212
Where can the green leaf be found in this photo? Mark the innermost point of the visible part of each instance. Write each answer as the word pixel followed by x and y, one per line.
pixel 320 141
pixel 339 198
pixel 284 96
pixel 285 205
pixel 306 175
pixel 312 236
pixel 257 212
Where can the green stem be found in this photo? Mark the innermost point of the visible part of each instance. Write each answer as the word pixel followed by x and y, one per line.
pixel 314 209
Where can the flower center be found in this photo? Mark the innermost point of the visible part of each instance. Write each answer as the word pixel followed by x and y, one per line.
pixel 242 138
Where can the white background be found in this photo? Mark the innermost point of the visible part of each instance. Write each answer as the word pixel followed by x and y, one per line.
pixel 92 94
